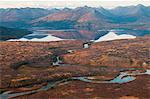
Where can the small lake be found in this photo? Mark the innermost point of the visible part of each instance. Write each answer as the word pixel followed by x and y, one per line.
pixel 40 33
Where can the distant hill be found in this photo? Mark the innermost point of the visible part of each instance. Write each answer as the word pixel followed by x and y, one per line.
pixel 19 17
pixel 80 17
pixel 12 33
pixel 139 13
pixel 96 18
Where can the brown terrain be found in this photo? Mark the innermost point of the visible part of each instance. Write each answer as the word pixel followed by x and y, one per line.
pixel 138 89
pixel 16 55
pixel 24 64
pixel 118 53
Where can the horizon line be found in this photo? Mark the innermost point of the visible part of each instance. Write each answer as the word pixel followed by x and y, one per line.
pixel 70 4
pixel 74 7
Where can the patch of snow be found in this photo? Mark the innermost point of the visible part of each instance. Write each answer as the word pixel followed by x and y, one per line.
pixel 70 51
pixel 113 36
pixel 58 61
pixel 44 39
pixel 21 39
pixel 86 45
pixel 147 72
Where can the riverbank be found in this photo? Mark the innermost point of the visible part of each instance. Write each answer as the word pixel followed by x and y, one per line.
pixel 137 89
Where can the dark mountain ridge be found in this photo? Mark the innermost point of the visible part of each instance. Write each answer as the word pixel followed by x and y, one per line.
pixel 80 17
pixel 19 17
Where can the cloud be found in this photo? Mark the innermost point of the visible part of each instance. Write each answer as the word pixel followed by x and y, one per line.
pixel 69 3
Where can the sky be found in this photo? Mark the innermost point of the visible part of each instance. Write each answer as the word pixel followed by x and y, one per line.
pixel 69 3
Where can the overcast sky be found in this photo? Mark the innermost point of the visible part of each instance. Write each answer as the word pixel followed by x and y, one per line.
pixel 70 3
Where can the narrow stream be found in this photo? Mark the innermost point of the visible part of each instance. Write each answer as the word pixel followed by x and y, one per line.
pixel 123 77
pixel 8 94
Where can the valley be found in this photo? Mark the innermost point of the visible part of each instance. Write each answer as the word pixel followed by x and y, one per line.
pixel 31 67
pixel 81 53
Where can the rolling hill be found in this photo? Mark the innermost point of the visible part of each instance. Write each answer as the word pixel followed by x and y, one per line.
pixel 12 33
pixel 19 17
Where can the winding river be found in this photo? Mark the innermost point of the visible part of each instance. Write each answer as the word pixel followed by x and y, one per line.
pixel 123 77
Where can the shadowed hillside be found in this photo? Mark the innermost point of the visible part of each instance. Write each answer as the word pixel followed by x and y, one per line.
pixel 12 33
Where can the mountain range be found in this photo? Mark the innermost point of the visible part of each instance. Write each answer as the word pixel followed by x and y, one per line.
pixel 81 17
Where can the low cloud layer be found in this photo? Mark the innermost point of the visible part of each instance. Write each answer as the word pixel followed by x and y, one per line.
pixel 70 3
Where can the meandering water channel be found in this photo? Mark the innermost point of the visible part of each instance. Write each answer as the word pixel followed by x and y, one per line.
pixel 123 77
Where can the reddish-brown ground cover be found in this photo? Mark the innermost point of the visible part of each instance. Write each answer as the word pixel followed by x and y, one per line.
pixel 30 63
pixel 138 89
pixel 118 53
